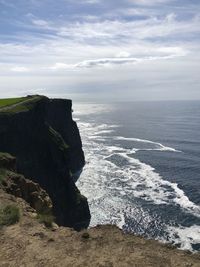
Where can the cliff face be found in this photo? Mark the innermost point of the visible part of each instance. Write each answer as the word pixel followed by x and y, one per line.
pixel 17 185
pixel 41 134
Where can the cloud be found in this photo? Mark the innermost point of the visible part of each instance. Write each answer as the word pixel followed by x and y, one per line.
pixel 86 1
pixel 40 22
pixel 124 31
pixel 95 63
pixel 91 1
pixel 61 66
pixel 20 69
pixel 149 2
pixel 122 60
pixel 117 43
pixel 115 61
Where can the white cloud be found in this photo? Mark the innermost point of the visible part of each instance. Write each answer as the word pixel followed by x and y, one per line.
pixel 86 1
pixel 126 45
pixel 124 54
pixel 91 1
pixel 124 58
pixel 149 2
pixel 61 66
pixel 123 31
pixel 20 69
pixel 40 22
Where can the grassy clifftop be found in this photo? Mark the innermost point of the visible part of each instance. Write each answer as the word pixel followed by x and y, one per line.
pixel 10 101
pixel 15 105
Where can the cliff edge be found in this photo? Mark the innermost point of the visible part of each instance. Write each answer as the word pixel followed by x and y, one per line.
pixel 40 133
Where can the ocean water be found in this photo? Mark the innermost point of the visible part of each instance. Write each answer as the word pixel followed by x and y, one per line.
pixel 142 168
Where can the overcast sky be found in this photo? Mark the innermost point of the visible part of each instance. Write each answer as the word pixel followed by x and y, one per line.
pixel 100 49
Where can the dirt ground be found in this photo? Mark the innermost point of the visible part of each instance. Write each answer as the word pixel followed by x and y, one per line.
pixel 30 244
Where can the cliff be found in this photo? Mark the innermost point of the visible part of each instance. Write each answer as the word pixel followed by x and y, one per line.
pixel 41 135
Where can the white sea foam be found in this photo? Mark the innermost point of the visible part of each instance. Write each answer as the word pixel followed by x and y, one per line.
pixel 182 200
pixel 104 132
pixel 159 145
pixel 185 237
pixel 156 189
pixel 113 175
pixel 115 148
pixel 76 119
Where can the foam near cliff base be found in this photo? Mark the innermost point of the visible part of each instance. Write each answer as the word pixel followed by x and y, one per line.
pixel 185 237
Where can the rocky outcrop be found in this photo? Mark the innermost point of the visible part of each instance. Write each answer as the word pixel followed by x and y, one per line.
pixel 41 134
pixel 7 162
pixel 17 185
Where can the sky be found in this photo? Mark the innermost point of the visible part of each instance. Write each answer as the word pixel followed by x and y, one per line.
pixel 100 50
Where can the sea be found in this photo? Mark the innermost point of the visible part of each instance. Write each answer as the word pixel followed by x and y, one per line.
pixel 142 169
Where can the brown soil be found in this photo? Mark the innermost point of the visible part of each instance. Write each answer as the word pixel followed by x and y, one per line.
pixel 29 243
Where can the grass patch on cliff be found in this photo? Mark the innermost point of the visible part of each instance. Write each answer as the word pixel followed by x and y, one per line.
pixel 57 138
pixel 5 160
pixel 10 101
pixel 5 155
pixel 46 218
pixel 9 215
pixel 79 198
pixel 2 175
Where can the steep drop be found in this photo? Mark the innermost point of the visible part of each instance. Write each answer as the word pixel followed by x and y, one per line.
pixel 41 134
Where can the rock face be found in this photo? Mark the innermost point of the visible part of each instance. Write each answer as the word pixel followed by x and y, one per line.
pixel 17 185
pixel 46 142
pixel 7 162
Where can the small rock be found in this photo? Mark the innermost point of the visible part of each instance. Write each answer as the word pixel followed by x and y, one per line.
pixel 51 240
pixel 33 214
pixel 85 235
pixel 54 226
pixel 40 234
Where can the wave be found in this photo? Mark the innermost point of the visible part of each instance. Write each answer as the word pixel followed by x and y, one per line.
pixel 153 188
pixel 116 184
pixel 161 146
pixel 104 132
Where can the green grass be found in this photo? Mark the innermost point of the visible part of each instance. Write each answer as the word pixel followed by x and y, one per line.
pixel 2 175
pixel 46 219
pixel 57 138
pixel 23 104
pixel 5 159
pixel 5 156
pixel 9 215
pixel 10 101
